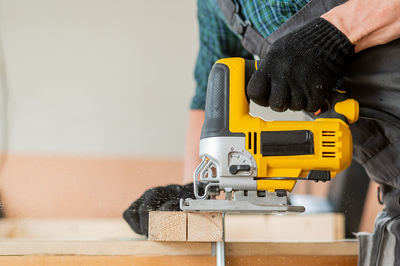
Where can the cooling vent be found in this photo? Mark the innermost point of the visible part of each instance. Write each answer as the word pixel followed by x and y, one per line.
pixel 328 133
pixel 328 154
pixel 328 143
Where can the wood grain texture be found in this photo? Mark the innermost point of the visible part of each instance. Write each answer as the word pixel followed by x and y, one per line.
pixel 177 260
pixel 167 226
pixel 66 229
pixel 38 248
pixel 292 260
pixel 107 260
pixel 204 226
pixel 261 228
pixel 335 248
pixel 22 247
pixel 153 248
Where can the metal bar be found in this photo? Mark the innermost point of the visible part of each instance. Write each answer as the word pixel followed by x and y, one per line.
pixel 235 206
pixel 220 253
pixel 220 246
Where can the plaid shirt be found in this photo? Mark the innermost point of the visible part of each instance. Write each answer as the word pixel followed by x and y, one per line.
pixel 218 41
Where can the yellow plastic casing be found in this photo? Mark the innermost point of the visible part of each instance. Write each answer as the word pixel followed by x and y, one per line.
pixel 348 108
pixel 332 138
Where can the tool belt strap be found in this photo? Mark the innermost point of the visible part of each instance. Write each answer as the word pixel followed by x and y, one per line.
pixel 252 40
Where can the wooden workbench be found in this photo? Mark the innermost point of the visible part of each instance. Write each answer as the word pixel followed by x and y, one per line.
pixel 134 252
pixel 111 242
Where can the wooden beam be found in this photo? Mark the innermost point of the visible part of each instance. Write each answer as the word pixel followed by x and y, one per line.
pixel 21 247
pixel 179 226
pixel 261 228
pixel 167 226
pixel 106 260
pixel 202 226
pixel 73 229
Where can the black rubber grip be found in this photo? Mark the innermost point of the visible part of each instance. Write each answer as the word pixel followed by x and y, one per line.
pixel 216 121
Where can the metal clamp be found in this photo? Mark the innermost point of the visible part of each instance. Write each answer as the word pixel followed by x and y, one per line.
pixel 205 174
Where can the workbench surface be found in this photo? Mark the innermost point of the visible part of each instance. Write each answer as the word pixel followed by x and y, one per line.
pixel 73 242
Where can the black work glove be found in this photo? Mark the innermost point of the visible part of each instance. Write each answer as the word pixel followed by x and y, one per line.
pixel 301 68
pixel 155 199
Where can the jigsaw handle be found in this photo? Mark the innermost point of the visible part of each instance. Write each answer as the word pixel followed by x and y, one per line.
pixel 227 87
pixel 338 104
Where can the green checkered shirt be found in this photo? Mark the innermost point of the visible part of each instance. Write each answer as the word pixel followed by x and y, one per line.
pixel 218 41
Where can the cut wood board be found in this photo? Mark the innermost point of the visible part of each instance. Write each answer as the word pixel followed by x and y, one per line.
pixel 204 227
pixel 168 226
pixel 249 228
pixel 260 228
pixel 184 226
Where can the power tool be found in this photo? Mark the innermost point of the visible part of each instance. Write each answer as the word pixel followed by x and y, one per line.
pixel 256 162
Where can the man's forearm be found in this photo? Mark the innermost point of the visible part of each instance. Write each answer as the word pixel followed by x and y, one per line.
pixel 191 160
pixel 367 23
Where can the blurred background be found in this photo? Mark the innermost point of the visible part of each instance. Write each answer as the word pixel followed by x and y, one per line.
pixel 95 97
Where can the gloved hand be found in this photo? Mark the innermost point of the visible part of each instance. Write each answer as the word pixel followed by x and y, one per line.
pixel 155 199
pixel 301 68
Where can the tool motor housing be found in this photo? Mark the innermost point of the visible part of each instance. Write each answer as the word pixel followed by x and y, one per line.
pixel 242 152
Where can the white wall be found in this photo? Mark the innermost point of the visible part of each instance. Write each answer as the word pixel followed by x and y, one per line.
pixel 99 76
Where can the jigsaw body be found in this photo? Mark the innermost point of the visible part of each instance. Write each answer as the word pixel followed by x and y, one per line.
pixel 256 162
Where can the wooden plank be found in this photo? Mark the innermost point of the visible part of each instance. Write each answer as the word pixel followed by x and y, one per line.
pixel 261 228
pixel 167 226
pixel 292 260
pixel 106 260
pixel 173 227
pixel 204 226
pixel 20 247
pixel 339 230
pixel 153 248
pixel 248 228
pixel 177 260
pixel 336 248
pixel 71 229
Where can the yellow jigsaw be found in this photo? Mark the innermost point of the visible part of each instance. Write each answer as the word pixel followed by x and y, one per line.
pixel 256 162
